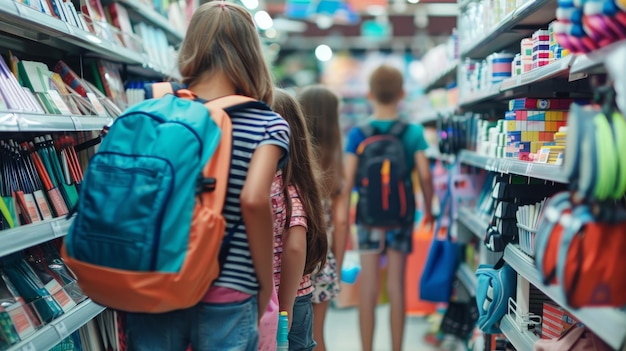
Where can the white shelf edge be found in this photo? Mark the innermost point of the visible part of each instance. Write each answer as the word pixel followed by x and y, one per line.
pixel 543 171
pixel 595 59
pixel 522 340
pixel 16 121
pixel 477 97
pixel 473 221
pixel 608 323
pixel 539 74
pixel 57 330
pixel 434 114
pixel 467 278
pixel 22 237
pixel 153 17
pixel 439 76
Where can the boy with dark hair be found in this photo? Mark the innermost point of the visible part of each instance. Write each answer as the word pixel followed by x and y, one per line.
pixel 381 153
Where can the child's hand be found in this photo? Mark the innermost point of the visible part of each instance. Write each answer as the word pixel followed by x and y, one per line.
pixel 428 221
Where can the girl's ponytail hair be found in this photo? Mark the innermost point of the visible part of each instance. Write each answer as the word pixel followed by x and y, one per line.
pixel 302 172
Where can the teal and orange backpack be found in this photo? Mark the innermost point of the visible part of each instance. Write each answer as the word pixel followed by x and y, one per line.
pixel 149 225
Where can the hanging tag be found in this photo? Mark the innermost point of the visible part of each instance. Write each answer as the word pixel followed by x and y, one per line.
pixel 529 168
pixel 56 229
pixel 61 330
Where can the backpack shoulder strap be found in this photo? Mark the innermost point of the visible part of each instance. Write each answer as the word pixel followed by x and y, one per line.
pixel 157 90
pixel 367 129
pixel 398 129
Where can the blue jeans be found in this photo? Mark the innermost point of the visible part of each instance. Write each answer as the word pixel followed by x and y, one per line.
pixel 206 326
pixel 301 332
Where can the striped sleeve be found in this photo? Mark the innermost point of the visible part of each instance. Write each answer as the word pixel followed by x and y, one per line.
pixel 277 133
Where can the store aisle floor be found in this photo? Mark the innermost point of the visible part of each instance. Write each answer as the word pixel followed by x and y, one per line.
pixel 342 330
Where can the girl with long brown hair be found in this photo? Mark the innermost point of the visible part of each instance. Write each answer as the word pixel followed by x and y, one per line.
pixel 221 40
pixel 321 110
pixel 300 243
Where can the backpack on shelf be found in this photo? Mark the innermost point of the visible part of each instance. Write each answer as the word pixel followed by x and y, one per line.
pixel 384 186
pixel 149 224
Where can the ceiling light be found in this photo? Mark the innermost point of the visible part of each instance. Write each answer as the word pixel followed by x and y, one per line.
pixel 323 53
pixel 263 20
pixel 250 4
pixel 324 21
pixel 413 1
pixel 271 33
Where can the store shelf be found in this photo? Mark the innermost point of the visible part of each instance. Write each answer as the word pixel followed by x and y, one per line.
pixel 608 323
pixel 521 339
pixel 593 62
pixel 25 22
pixel 510 166
pixel 33 122
pixel 557 68
pixel 441 79
pixel 432 116
pixel 28 235
pixel 60 328
pixel 473 221
pixel 517 25
pixel 155 18
pixel 481 96
pixel 468 278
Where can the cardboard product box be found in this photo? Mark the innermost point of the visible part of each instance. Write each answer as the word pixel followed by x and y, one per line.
pixel 556 321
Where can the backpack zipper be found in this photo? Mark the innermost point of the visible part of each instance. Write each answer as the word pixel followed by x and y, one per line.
pixel 385 175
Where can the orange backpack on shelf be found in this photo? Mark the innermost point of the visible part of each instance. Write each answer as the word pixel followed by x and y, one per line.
pixel 581 253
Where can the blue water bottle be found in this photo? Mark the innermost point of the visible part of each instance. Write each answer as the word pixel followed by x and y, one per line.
pixel 282 336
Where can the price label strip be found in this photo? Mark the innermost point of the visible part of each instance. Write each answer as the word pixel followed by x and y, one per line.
pixel 57 231
pixel 61 330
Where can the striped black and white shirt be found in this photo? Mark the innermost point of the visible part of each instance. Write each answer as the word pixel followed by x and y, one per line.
pixel 253 126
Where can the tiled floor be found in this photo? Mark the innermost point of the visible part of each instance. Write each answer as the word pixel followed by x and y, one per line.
pixel 342 331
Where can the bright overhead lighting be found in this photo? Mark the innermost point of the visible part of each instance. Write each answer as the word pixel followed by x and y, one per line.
pixel 250 4
pixel 271 33
pixel 413 1
pixel 323 53
pixel 263 20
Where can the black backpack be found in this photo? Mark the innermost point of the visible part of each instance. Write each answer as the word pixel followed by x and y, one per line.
pixel 386 197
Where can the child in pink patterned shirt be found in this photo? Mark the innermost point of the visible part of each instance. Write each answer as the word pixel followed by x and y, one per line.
pixel 300 242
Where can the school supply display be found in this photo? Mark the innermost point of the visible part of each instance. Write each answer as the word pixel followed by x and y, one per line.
pixel 596 169
pixel 383 181
pixel 571 252
pixel 582 27
pixel 149 212
pixel 442 262
pixel 496 284
pixel 527 217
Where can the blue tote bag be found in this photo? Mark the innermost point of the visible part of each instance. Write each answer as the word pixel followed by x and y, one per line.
pixel 441 264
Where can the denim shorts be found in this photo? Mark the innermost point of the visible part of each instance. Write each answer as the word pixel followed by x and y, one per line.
pixel 378 240
pixel 206 326
pixel 301 332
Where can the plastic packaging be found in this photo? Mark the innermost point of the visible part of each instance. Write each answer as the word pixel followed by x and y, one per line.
pixel 282 340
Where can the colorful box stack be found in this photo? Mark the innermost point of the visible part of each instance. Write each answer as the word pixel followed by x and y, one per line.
pixel 541 48
pixel 556 50
pixel 555 321
pixel 554 152
pixel 531 124
pixel 499 64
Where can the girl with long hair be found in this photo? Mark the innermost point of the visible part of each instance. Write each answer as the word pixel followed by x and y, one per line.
pixel 321 110
pixel 221 39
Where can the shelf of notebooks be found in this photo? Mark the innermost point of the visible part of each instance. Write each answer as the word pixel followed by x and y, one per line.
pixel 60 328
pixel 441 79
pixel 472 220
pixel 22 237
pixel 537 170
pixel 175 32
pixel 77 33
pixel 531 14
pixel 608 323
pixel 520 338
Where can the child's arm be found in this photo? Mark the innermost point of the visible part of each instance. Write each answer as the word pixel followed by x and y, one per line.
pixel 426 184
pixel 292 268
pixel 341 227
pixel 257 214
